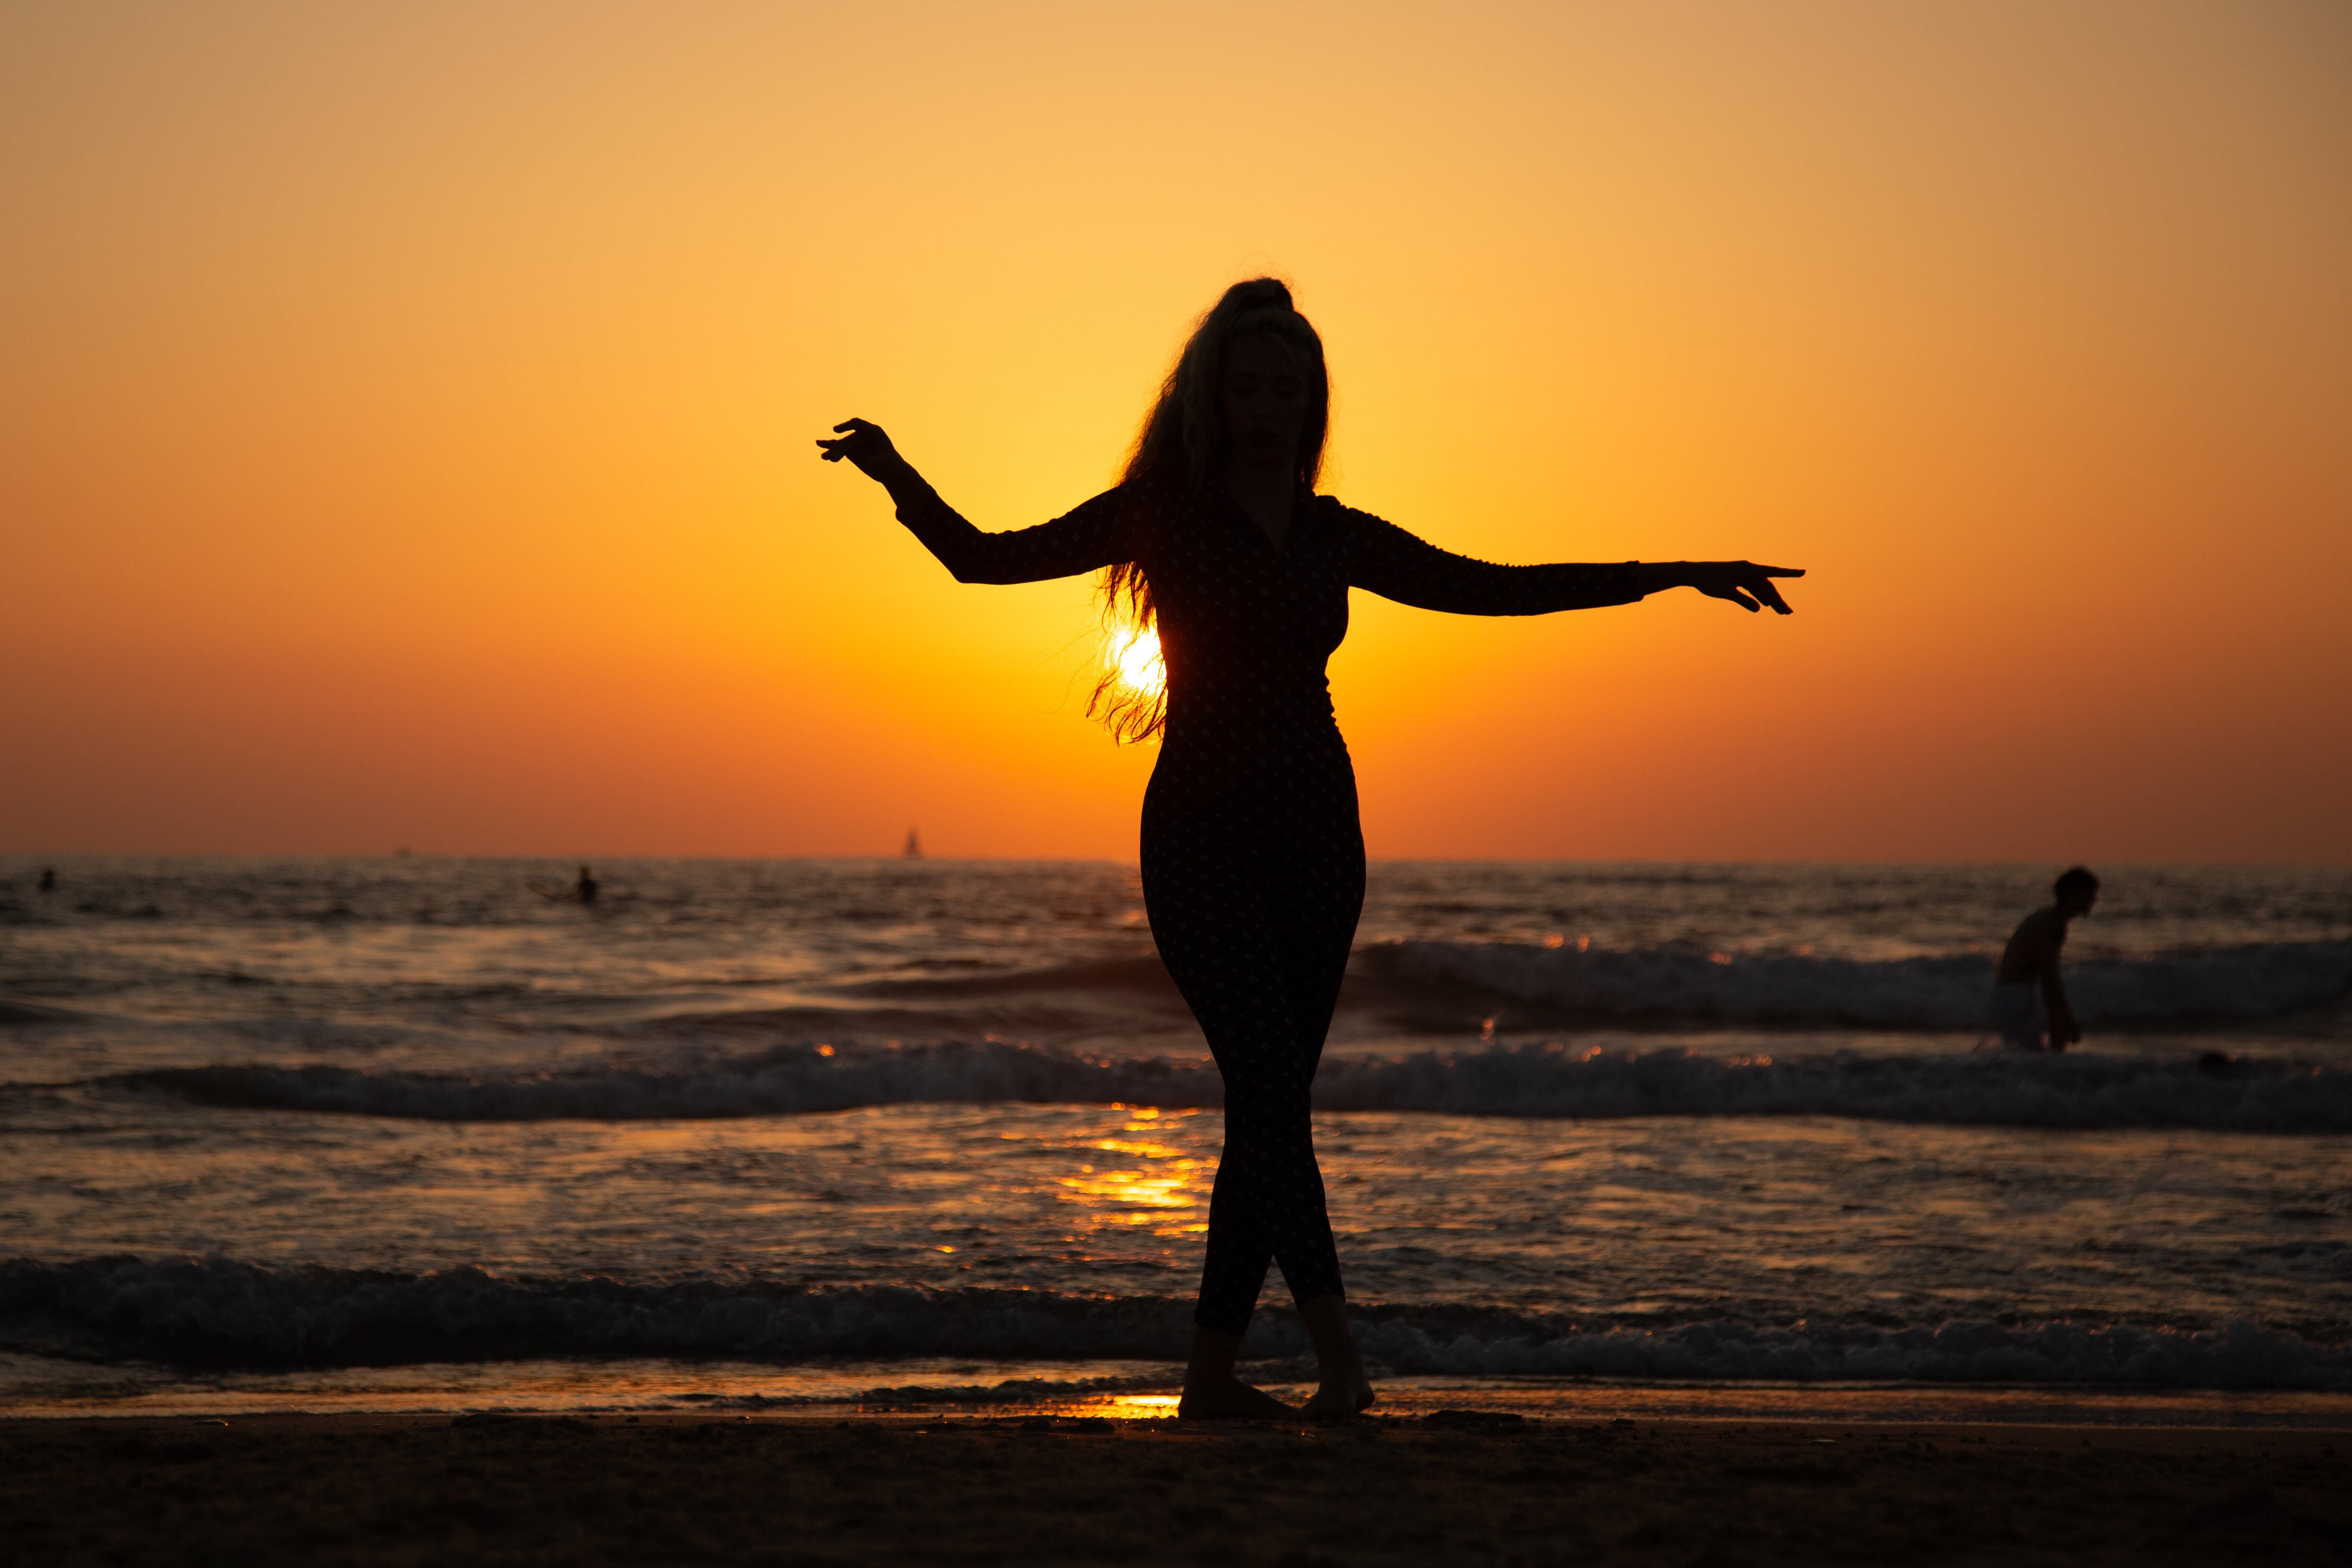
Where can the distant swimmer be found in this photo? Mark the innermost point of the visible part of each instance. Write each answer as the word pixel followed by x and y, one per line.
pixel 49 879
pixel 584 889
pixel 2027 992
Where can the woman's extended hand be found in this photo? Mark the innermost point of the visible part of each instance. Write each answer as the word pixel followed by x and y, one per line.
pixel 866 445
pixel 1732 580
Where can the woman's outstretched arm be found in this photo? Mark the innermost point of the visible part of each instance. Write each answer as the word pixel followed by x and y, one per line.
pixel 1387 561
pixel 1095 535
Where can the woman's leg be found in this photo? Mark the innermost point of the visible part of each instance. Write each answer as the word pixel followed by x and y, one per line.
pixel 1213 921
pixel 1328 873
pixel 1255 934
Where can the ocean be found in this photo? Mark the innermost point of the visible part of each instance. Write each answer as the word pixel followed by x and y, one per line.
pixel 421 1133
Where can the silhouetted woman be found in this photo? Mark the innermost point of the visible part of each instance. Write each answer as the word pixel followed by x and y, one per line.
pixel 1253 861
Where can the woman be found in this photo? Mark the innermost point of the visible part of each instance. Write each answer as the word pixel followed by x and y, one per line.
pixel 1253 861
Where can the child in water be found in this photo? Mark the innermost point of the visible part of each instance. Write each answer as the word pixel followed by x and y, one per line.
pixel 2027 983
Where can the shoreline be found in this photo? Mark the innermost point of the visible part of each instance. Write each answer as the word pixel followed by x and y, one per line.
pixel 1449 1486
pixel 686 1390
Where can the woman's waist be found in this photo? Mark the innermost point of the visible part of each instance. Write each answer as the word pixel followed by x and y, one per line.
pixel 1301 729
pixel 1258 695
pixel 1265 763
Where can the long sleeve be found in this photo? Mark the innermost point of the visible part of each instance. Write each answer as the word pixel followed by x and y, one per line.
pixel 1098 533
pixel 1385 559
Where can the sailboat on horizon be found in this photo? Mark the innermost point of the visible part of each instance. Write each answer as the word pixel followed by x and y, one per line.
pixel 914 849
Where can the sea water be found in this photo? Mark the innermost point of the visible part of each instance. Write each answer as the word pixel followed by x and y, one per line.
pixel 415 1132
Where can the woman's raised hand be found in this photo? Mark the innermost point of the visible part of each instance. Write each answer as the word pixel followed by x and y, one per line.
pixel 866 446
pixel 1743 582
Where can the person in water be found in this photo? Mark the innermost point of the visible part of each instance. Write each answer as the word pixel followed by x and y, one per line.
pixel 584 889
pixel 49 879
pixel 2027 992
pixel 1252 860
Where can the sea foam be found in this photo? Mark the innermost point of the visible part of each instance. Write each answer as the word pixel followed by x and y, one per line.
pixel 1984 1087
pixel 218 1311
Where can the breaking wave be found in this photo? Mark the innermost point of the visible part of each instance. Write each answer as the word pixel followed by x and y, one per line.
pixel 222 1312
pixel 2244 1094
pixel 1527 986
pixel 1452 987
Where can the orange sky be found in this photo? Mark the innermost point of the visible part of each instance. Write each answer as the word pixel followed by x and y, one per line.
pixel 405 415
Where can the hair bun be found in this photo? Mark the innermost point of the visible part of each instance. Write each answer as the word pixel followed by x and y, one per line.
pixel 1257 293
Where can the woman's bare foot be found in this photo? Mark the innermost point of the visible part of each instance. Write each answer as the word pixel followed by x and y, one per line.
pixel 1211 1392
pixel 1229 1398
pixel 1340 1402
pixel 1345 1392
pixel 1342 1398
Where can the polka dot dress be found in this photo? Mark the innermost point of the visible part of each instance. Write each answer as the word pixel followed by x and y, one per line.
pixel 1253 858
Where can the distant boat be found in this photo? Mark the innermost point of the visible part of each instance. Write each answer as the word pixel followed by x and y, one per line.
pixel 914 849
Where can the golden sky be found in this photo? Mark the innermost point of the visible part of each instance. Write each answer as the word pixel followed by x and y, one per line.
pixel 406 414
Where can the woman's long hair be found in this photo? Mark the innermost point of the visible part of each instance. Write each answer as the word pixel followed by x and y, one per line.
pixel 1181 449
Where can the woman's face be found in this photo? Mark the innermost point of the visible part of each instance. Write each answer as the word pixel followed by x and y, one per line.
pixel 1265 402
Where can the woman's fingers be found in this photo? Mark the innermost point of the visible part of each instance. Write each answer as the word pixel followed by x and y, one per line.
pixel 867 448
pixel 1745 583
pixel 854 435
pixel 1763 587
pixel 1758 580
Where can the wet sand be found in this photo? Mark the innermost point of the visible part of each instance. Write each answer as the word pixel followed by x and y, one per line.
pixel 1453 1487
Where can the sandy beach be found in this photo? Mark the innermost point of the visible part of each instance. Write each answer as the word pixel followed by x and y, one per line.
pixel 1450 1487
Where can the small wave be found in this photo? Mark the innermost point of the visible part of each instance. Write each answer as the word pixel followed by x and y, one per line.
pixel 2241 1094
pixel 1982 1089
pixel 220 1311
pixel 1143 975
pixel 15 1012
pixel 1042 1003
pixel 1525 986
pixel 2238 1355
pixel 1024 1019
pixel 223 1312
pixel 1450 986
pixel 788 1080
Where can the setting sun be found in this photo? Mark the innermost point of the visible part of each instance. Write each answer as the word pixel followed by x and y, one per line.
pixel 1136 656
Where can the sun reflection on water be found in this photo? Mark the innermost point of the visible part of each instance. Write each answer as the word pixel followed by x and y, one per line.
pixel 1168 1194
pixel 1136 1197
pixel 1146 1150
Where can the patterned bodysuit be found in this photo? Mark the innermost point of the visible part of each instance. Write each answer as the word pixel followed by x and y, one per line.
pixel 1253 861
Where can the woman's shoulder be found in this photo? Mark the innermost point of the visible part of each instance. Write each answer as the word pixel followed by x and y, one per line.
pixel 1137 496
pixel 1340 515
pixel 1124 502
pixel 1133 516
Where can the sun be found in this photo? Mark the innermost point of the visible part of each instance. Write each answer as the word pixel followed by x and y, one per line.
pixel 1135 654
